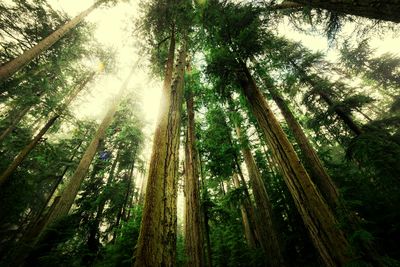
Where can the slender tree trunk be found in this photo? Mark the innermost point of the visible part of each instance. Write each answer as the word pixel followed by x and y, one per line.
pixel 14 122
pixel 11 67
pixel 248 205
pixel 71 190
pixel 24 152
pixel 344 116
pixel 382 10
pixel 268 236
pixel 157 239
pixel 317 171
pixel 193 231
pixel 318 218
pixel 248 232
pixel 204 212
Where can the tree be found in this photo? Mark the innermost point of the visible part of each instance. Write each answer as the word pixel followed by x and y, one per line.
pixel 193 230
pixel 370 9
pixel 10 68
pixel 69 193
pixel 332 246
pixel 157 238
pixel 24 152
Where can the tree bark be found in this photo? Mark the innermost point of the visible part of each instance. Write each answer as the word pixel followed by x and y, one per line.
pixel 317 171
pixel 382 10
pixel 24 152
pixel 157 239
pixel 193 231
pixel 11 67
pixel 319 220
pixel 267 235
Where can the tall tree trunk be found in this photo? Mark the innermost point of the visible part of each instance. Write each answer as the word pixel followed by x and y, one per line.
pixel 267 234
pixel 248 205
pixel 317 171
pixel 157 239
pixel 204 212
pixel 193 230
pixel 14 122
pixel 11 67
pixel 71 190
pixel 318 218
pixel 93 242
pixel 248 232
pixel 344 116
pixel 24 152
pixel 382 10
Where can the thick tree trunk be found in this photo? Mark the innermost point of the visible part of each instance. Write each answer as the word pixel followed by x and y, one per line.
pixel 267 235
pixel 382 10
pixel 248 232
pixel 157 239
pixel 11 67
pixel 317 171
pixel 24 152
pixel 318 218
pixel 193 230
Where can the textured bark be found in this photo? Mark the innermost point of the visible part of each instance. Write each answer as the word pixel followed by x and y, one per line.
pixel 267 234
pixel 157 239
pixel 11 67
pixel 382 10
pixel 32 144
pixel 317 171
pixel 318 218
pixel 248 232
pixel 193 230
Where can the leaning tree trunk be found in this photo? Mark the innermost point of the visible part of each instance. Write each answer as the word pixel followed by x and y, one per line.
pixel 248 231
pixel 382 10
pixel 71 190
pixel 318 218
pixel 157 239
pixel 193 230
pixel 343 115
pixel 317 171
pixel 267 234
pixel 14 120
pixel 4 177
pixel 11 67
